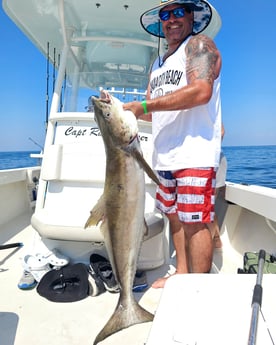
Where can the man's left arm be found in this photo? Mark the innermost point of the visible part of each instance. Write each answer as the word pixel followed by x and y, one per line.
pixel 203 67
pixel 203 60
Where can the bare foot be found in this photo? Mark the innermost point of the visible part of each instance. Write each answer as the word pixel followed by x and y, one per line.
pixel 160 282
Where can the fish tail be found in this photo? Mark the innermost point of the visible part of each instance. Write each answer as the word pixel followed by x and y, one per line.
pixel 124 317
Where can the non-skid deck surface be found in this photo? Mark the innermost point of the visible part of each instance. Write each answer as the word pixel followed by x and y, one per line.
pixel 27 318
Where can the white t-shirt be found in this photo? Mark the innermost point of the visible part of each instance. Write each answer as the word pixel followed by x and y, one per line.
pixel 188 138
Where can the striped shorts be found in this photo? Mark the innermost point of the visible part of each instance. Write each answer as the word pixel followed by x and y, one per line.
pixel 189 192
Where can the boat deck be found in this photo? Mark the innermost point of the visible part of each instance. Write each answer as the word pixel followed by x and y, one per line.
pixel 28 318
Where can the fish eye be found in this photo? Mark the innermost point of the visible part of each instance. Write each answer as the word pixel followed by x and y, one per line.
pixel 107 115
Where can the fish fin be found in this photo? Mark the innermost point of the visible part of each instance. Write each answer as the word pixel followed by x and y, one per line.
pixel 124 317
pixel 96 214
pixel 146 229
pixel 136 153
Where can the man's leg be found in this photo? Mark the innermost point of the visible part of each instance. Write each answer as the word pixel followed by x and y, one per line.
pixel 178 237
pixel 192 240
pixel 195 207
pixel 215 233
pixel 180 245
pixel 200 246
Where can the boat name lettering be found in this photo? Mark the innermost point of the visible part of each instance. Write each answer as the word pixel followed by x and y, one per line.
pixel 95 131
pixel 143 138
pixel 78 132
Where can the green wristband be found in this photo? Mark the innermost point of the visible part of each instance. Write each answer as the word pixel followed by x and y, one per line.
pixel 144 105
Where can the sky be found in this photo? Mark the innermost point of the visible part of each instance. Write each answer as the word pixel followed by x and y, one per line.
pixel 248 88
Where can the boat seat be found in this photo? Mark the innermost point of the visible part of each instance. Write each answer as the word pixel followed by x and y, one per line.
pixel 49 226
pixel 72 180
pixel 75 174
pixel 73 162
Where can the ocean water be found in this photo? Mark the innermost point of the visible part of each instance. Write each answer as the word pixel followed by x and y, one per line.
pixel 18 159
pixel 251 165
pixel 246 164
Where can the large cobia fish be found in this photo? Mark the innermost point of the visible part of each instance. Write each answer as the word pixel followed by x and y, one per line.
pixel 121 207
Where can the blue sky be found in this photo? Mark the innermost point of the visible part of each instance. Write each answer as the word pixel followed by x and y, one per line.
pixel 247 45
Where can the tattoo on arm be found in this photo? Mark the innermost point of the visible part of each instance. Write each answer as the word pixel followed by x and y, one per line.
pixel 202 57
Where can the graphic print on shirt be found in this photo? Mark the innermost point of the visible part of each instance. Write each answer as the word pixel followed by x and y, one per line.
pixel 169 77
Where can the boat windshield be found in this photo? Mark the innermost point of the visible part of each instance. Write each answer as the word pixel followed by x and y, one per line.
pixel 76 93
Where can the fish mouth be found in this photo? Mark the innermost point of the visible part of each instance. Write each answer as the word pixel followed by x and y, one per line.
pixel 105 96
pixel 99 102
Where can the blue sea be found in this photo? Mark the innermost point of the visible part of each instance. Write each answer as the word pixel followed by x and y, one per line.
pixel 18 159
pixel 246 164
pixel 251 165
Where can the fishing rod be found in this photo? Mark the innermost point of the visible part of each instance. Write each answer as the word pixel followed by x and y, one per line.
pixel 257 300
pixel 60 98
pixel 47 86
pixel 63 88
pixel 11 245
pixel 32 140
pixel 54 71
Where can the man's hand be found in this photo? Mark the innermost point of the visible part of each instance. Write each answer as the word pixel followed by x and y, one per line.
pixel 136 107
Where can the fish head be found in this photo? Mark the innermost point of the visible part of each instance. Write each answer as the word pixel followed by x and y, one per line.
pixel 114 122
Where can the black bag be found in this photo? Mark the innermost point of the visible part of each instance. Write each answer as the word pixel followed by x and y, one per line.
pixel 250 263
pixel 67 284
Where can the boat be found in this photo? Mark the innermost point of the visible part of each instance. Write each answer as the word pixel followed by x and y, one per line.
pixel 102 46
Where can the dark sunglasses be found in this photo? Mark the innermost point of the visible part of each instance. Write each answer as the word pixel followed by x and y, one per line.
pixel 177 12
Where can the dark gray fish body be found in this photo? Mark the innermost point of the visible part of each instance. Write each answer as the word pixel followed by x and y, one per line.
pixel 121 207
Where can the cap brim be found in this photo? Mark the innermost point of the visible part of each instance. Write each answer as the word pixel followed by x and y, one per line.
pixel 206 18
pixel 214 25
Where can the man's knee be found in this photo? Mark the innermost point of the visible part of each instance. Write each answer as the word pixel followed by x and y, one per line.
pixel 193 228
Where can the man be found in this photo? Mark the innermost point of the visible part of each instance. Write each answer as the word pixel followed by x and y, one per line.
pixel 183 101
pixel 220 193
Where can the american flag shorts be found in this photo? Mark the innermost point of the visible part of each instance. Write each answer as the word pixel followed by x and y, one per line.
pixel 189 192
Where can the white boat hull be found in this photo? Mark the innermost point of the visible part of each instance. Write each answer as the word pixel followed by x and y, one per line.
pixel 27 317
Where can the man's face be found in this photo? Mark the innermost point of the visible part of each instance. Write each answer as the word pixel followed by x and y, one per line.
pixel 177 29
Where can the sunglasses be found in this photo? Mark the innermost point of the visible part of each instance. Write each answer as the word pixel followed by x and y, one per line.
pixel 177 12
